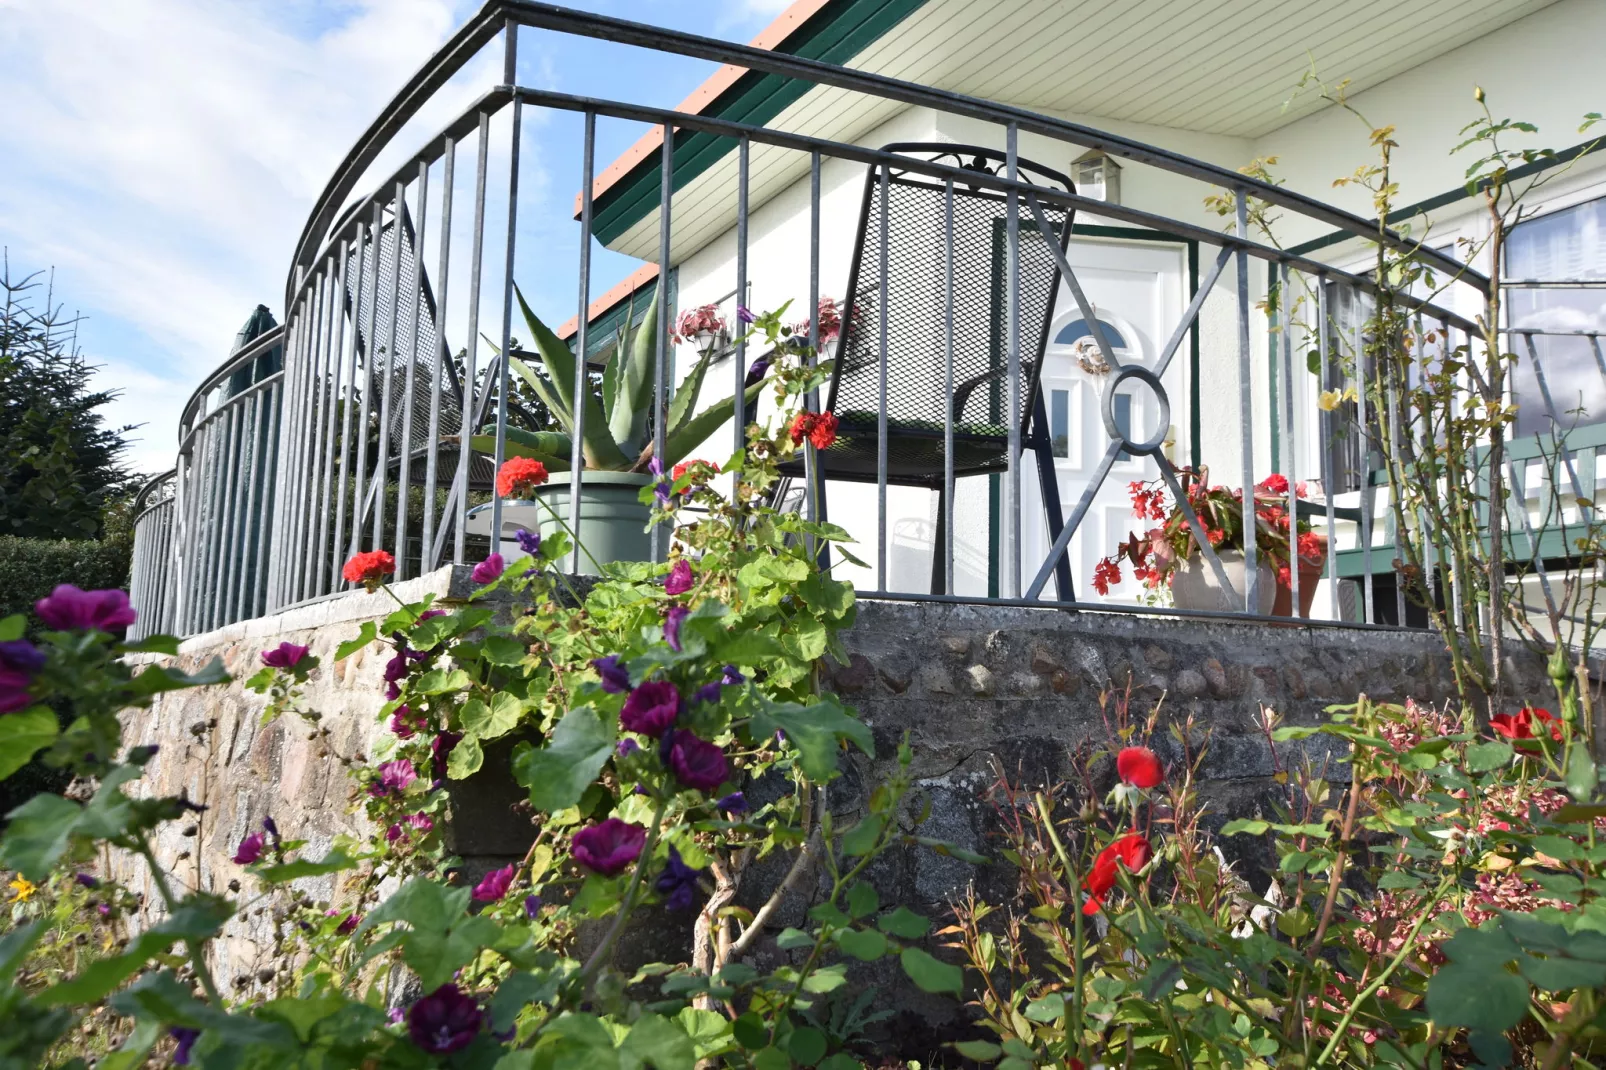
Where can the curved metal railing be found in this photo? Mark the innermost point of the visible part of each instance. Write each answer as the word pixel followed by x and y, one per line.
pixel 151 573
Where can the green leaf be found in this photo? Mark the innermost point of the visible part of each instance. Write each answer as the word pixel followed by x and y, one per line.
pixel 930 974
pixel 367 634
pixel 601 448
pixel 15 945
pixel 12 627
pixel 806 1045
pixel 1047 1009
pixel 689 437
pixel 707 1029
pixel 440 681
pixel 1467 994
pixel 627 420
pixel 333 862
pixel 981 1051
pixel 465 759
pixel 500 650
pixel 791 939
pixel 771 1058
pixel 194 920
pixel 750 1031
pixel 863 900
pixel 656 1041
pixel 816 731
pixel 1482 757
pixel 559 773
pixel 24 734
pixel 1245 826
pixel 481 721
pixel 158 678
pixel 152 644
pixel 1581 774
pixel 486 444
pixel 867 945
pixel 904 923
pixel 685 399
pixel 42 828
pixel 861 838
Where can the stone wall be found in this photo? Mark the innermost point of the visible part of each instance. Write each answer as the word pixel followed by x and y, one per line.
pixel 978 690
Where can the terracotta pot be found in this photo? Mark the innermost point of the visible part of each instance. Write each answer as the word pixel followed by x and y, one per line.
pixel 1310 574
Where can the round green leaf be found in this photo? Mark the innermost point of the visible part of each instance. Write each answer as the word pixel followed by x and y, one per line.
pixel 931 974
pixel 806 1045
pixel 1465 994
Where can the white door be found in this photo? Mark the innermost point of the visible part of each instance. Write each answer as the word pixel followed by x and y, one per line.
pixel 1139 290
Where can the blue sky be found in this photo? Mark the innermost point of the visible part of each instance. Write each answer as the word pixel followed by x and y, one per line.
pixel 162 155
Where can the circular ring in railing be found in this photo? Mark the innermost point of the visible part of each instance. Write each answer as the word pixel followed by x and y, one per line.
pixel 1152 447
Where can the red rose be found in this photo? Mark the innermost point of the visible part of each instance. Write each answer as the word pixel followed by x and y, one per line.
pixel 1139 767
pixel 369 569
pixel 1131 851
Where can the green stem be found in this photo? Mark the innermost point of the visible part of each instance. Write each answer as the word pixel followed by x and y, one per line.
pixel 1074 883
pixel 195 948
pixel 577 544
pixel 600 956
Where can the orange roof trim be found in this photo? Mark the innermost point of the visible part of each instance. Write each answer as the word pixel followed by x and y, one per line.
pixel 635 281
pixel 652 141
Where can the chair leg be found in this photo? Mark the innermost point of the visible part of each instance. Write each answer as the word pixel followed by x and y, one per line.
pixel 939 577
pixel 1049 483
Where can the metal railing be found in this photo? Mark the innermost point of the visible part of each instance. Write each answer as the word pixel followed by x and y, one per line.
pixel 400 302
pixel 151 573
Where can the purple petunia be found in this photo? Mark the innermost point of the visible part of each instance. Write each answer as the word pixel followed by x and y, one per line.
pixel 532 905
pixel 495 884
pixel 69 609
pixel 626 747
pixel 489 570
pixel 732 676
pixel 250 849
pixel 21 656
pixel 610 846
pixel 678 882
pixel 660 489
pixel 672 618
pixel 444 1021
pixel 348 924
pixel 286 655
pixel 615 677
pixel 698 764
pixel 186 1038
pixel 756 371
pixel 270 827
pixel 734 803
pixel 529 541
pixel 707 693
pixel 744 314
pixel 14 690
pixel 651 708
pixel 87 880
pixel 679 580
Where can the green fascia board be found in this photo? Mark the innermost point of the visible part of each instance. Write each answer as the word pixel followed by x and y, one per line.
pixel 835 34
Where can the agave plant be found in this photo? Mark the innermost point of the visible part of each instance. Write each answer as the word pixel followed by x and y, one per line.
pixel 616 435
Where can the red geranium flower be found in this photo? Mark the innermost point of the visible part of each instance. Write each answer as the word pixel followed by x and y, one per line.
pixel 1139 767
pixel 369 569
pixel 518 476
pixel 824 431
pixel 699 469
pixel 1106 572
pixel 1131 851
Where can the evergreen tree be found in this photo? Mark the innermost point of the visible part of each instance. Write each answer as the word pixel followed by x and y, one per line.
pixel 60 465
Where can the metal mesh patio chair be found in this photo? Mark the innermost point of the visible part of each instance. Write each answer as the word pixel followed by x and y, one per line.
pixel 917 399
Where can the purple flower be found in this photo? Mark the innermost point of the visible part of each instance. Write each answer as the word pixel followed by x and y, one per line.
pixel 270 827
pixel 421 821
pixel 348 924
pixel 284 656
pixel 609 846
pixel 87 880
pixel 734 803
pixel 394 777
pixel 395 1015
pixel 744 314
pixel 626 747
pixel 404 723
pixel 651 708
pixel 532 905
pixel 678 882
pixel 732 677
pixel 756 371
pixel 698 764
pixel 660 489
pixel 393 833
pixel 679 580
pixel 441 749
pixel 672 619
pixel 250 849
pixel 428 613
pixel 489 570
pixel 103 910
pixel 529 541
pixel 392 692
pixel 69 609
pixel 19 655
pixel 615 677
pixel 495 884
pixel 186 1038
pixel 14 690
pixel 444 1021
pixel 707 693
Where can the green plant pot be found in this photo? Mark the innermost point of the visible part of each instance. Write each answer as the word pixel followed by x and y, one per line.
pixel 613 522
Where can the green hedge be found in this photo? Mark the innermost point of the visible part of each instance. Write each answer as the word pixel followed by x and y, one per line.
pixel 31 568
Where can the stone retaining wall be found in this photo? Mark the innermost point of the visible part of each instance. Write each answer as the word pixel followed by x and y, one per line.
pixel 977 689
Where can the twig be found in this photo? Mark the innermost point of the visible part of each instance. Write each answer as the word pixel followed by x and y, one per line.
pixel 1338 862
pixel 750 933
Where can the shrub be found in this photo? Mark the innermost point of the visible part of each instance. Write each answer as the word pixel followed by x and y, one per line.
pixel 31 568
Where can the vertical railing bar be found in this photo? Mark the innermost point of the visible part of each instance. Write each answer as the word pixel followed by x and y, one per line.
pixel 306 552
pixel 274 405
pixel 666 194
pixel 370 354
pixel 415 290
pixel 231 488
pixel 881 390
pixel 235 574
pixel 348 449
pixel 503 366
pixel 382 467
pixel 195 545
pixel 429 553
pixel 240 597
pixel 1290 439
pixel 218 432
pixel 295 331
pixel 582 376
pixel 1246 396
pixel 332 393
pixel 1324 424
pixel 811 456
pixel 1013 519
pixel 300 441
pixel 465 454
pixel 947 548
pixel 739 371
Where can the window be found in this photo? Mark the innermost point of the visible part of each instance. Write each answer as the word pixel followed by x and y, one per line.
pixel 1059 421
pixel 1078 329
pixel 1568 246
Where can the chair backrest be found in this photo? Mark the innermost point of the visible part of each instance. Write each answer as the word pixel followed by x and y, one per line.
pixel 916 299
